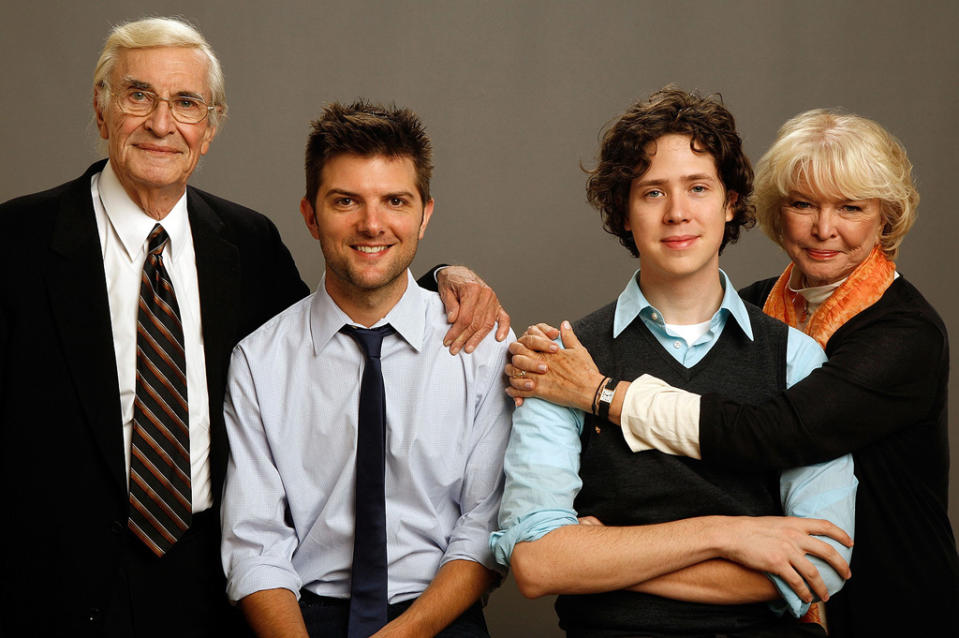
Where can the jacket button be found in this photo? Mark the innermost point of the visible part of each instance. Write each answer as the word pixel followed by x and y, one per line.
pixel 117 527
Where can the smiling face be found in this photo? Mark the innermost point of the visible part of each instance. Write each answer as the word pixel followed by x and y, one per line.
pixel 369 218
pixel 154 155
pixel 826 237
pixel 678 210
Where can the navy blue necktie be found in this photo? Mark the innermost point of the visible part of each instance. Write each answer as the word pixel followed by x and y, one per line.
pixel 368 585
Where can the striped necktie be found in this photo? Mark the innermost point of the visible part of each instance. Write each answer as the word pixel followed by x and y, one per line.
pixel 160 494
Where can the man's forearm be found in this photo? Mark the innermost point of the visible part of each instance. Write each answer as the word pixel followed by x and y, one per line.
pixel 457 585
pixel 717 581
pixel 587 559
pixel 274 613
pixel 590 558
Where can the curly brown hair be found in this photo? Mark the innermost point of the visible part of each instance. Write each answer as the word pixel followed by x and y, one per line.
pixel 624 157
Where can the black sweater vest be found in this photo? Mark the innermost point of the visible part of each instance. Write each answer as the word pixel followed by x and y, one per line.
pixel 623 488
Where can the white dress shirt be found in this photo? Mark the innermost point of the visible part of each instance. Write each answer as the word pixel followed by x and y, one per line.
pixel 123 229
pixel 292 415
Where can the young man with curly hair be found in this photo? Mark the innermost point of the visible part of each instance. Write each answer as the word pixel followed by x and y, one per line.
pixel 652 544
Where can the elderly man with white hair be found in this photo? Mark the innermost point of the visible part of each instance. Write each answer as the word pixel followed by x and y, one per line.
pixel 122 294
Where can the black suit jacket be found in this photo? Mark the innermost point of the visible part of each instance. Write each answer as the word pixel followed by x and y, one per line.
pixel 69 566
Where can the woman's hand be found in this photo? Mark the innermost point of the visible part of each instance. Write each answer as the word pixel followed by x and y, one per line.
pixel 540 368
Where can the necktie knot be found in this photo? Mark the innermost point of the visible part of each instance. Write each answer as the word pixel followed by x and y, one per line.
pixel 369 339
pixel 157 240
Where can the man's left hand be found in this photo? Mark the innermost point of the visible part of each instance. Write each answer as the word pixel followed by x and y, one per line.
pixel 471 306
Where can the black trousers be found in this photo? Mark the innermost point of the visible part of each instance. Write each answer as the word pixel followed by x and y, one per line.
pixel 328 617
pixel 779 630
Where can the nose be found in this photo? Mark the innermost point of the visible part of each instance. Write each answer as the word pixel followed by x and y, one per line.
pixel 825 224
pixel 371 221
pixel 160 120
pixel 676 211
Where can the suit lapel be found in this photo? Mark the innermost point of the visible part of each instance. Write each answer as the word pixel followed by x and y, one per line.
pixel 218 276
pixel 78 297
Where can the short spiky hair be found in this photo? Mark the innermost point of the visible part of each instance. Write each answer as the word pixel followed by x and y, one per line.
pixel 623 156
pixel 367 129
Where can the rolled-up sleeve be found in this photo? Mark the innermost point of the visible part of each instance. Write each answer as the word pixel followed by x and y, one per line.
pixel 825 490
pixel 483 478
pixel 828 491
pixel 257 544
pixel 542 475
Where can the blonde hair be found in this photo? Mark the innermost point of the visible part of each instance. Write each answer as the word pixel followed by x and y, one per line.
pixel 840 156
pixel 159 32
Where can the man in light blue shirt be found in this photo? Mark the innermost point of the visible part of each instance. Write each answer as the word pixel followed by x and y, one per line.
pixel 295 421
pixel 662 544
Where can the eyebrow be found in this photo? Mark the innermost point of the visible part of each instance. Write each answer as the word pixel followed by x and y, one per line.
pixel 131 83
pixel 404 194
pixel 345 193
pixel 340 192
pixel 842 199
pixel 698 177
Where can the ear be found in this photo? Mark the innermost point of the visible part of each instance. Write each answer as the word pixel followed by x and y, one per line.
pixel 732 197
pixel 427 213
pixel 101 121
pixel 309 216
pixel 208 136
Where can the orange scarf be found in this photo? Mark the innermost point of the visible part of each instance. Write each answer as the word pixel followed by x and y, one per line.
pixel 862 288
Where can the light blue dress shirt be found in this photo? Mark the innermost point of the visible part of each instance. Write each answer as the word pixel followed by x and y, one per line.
pixel 291 415
pixel 542 459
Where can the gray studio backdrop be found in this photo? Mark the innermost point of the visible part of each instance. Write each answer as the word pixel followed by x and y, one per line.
pixel 514 95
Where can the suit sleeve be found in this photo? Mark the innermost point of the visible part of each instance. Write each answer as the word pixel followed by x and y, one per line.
pixel 883 377
pixel 3 351
pixel 428 280
pixel 284 283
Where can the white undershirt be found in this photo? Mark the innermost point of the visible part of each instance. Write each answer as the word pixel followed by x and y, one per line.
pixel 690 332
pixel 123 229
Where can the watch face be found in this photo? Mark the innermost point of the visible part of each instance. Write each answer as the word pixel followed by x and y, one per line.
pixel 607 395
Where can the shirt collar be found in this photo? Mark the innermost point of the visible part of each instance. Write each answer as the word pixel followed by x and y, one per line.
pixel 132 225
pixel 408 316
pixel 631 302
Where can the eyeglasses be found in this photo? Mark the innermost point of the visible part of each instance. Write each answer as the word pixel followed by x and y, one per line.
pixel 141 102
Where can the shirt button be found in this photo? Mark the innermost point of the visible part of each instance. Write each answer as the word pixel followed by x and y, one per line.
pixel 676 345
pixel 655 317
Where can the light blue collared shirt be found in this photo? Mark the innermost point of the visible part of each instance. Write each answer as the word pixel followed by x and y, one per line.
pixel 291 415
pixel 542 459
